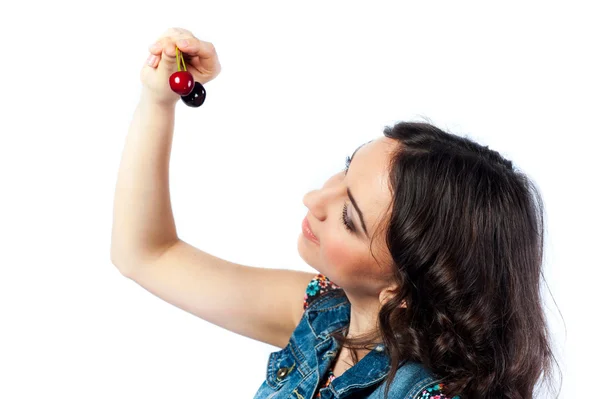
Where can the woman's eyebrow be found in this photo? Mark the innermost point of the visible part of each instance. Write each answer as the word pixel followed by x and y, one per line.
pixel 360 215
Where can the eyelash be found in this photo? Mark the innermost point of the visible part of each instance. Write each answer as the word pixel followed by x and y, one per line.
pixel 344 217
pixel 347 164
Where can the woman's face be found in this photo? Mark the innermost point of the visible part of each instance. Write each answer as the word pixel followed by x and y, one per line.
pixel 342 255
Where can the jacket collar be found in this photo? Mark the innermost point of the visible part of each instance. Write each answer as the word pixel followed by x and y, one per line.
pixel 332 313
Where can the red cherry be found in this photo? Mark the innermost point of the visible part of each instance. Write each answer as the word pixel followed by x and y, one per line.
pixel 182 83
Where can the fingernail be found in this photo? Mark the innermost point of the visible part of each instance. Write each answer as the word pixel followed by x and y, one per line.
pixel 182 43
pixel 151 59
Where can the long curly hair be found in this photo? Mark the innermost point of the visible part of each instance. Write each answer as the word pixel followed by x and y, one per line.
pixel 466 233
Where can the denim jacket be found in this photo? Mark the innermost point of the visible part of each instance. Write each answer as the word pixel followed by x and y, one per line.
pixel 296 370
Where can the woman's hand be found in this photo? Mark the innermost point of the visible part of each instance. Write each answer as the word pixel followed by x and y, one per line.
pixel 200 58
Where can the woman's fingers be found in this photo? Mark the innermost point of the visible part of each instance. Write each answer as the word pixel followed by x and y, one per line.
pixel 185 41
pixel 200 56
pixel 190 46
pixel 153 60
pixel 195 47
pixel 163 45
pixel 155 48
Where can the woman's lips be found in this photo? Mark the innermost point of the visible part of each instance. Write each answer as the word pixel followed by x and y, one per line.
pixel 308 232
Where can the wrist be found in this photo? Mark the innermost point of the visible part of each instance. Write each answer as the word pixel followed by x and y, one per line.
pixel 148 99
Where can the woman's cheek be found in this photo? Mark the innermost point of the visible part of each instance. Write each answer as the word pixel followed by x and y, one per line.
pixel 343 260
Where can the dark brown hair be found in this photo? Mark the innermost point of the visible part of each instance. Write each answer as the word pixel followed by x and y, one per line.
pixel 466 233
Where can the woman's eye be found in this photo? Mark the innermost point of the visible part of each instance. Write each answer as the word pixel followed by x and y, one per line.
pixel 345 221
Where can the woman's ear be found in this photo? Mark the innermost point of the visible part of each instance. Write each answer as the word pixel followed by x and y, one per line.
pixel 386 294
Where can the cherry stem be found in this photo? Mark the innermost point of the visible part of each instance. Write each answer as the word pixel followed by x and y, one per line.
pixel 179 56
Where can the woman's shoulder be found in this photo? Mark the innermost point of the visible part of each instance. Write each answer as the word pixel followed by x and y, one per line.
pixel 317 287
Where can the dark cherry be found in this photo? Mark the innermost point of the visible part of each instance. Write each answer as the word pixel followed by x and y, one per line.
pixel 196 97
pixel 182 82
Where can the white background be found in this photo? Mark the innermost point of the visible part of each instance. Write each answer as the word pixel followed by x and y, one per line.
pixel 303 84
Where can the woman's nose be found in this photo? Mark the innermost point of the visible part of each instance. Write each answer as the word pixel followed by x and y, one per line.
pixel 315 199
pixel 308 199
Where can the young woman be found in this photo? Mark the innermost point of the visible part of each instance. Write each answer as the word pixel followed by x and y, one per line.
pixel 428 247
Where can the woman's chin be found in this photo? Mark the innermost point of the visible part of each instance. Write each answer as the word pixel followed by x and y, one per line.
pixel 306 249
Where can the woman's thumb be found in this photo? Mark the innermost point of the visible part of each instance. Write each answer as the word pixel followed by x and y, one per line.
pixel 169 55
pixel 168 62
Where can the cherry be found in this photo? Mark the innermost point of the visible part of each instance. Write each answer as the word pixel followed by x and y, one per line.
pixel 196 97
pixel 182 82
